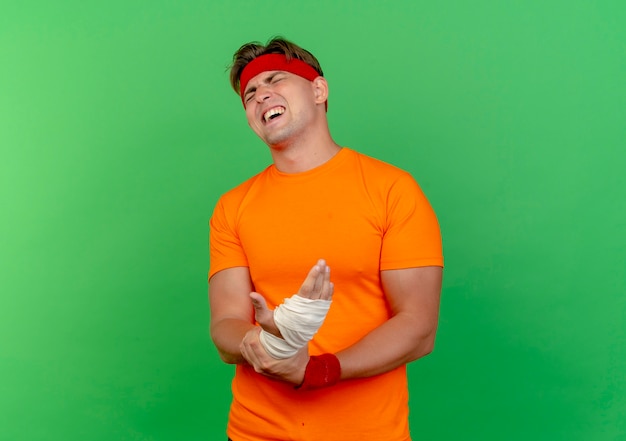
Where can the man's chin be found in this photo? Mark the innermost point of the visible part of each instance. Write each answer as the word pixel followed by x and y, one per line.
pixel 277 142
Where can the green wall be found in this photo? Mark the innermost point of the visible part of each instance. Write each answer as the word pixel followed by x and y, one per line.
pixel 118 132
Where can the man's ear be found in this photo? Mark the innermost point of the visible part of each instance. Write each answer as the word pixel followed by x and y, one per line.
pixel 320 89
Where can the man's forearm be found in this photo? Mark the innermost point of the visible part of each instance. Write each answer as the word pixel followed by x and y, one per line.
pixel 396 342
pixel 413 296
pixel 227 335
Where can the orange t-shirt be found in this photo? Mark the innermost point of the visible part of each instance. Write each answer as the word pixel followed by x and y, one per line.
pixel 362 216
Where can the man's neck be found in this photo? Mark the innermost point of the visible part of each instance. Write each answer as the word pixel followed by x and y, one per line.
pixel 303 156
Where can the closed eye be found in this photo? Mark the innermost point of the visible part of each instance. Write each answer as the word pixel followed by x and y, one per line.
pixel 249 94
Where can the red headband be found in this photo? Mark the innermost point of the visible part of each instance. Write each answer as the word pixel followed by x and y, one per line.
pixel 274 62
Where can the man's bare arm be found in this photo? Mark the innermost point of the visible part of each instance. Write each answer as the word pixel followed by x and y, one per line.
pixel 413 295
pixel 232 315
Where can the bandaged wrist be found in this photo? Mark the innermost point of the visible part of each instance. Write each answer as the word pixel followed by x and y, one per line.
pixel 321 371
pixel 297 319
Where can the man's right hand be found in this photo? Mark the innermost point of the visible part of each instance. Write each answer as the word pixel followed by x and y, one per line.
pixel 316 286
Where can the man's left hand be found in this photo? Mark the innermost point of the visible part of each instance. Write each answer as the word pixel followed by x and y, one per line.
pixel 290 369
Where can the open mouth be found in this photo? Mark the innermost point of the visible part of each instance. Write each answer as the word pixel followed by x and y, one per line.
pixel 273 113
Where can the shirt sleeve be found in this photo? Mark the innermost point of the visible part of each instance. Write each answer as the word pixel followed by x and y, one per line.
pixel 225 249
pixel 411 237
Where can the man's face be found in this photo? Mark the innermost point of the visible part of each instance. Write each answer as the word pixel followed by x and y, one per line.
pixel 280 106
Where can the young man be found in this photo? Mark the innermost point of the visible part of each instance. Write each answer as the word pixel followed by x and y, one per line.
pixel 330 361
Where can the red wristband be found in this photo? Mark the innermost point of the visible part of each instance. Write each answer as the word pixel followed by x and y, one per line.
pixel 321 371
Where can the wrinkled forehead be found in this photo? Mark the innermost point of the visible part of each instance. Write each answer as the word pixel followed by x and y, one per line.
pixel 274 62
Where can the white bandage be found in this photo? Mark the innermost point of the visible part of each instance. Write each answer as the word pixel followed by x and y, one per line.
pixel 298 319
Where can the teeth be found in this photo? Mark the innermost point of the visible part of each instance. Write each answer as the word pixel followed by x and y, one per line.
pixel 275 111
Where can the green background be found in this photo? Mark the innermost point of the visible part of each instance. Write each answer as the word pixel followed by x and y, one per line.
pixel 118 132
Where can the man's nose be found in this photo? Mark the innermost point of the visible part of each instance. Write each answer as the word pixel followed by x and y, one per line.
pixel 263 93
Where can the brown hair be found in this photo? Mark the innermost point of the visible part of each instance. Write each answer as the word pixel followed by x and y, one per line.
pixel 277 45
